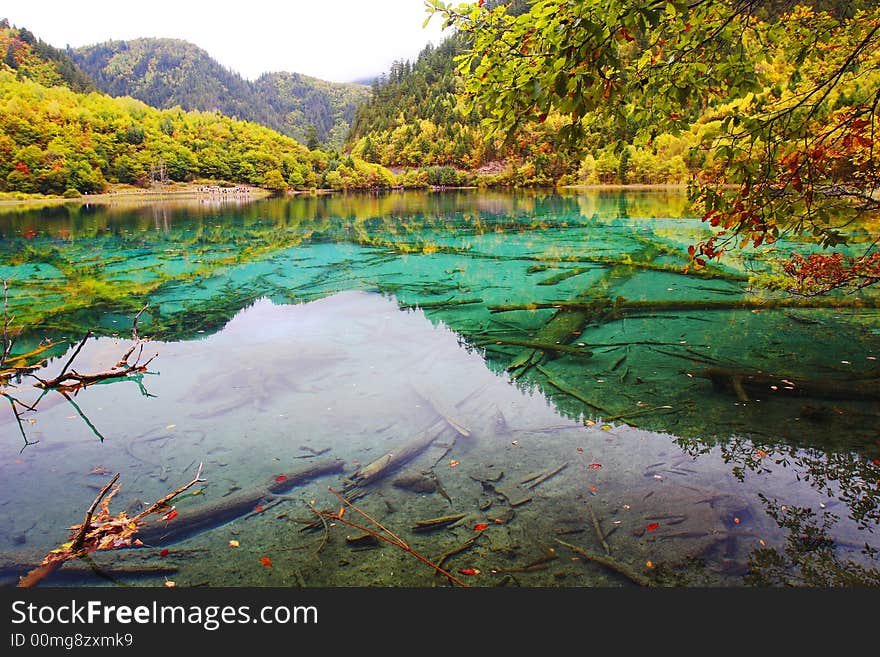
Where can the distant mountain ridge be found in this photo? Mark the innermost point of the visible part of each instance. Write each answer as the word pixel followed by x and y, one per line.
pixel 165 73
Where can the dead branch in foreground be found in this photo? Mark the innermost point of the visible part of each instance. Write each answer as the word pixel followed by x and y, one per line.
pixel 102 531
pixel 72 380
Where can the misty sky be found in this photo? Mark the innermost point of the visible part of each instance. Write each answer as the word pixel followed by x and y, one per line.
pixel 337 40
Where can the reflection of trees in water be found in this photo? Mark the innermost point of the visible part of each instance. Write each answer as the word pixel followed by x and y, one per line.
pixel 808 557
pixel 200 265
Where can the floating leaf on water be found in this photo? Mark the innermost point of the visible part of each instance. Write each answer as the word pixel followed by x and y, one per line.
pixel 233 543
pixel 266 562
pixel 280 478
pixel 453 463
pixel 653 526
pixel 595 466
pixel 258 508
pixel 163 552
pixel 469 571
pixel 480 527
pixel 171 515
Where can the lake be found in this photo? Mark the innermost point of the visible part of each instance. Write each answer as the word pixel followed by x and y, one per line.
pixel 524 388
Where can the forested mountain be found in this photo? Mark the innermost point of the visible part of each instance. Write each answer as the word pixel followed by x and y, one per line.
pixel 165 73
pixel 56 140
pixel 31 58
pixel 313 111
pixel 415 118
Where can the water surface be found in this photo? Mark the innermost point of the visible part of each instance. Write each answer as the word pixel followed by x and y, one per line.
pixel 287 331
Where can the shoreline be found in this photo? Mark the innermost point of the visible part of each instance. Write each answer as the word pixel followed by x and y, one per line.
pixel 136 195
pixel 199 193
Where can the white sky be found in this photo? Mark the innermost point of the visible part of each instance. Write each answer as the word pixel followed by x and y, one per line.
pixel 337 40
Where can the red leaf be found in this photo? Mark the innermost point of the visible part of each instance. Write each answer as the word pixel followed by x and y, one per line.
pixel 164 552
pixel 280 478
pixel 171 515
pixel 595 466
pixel 480 527
pixel 266 561
pixel 258 508
pixel 653 526
pixel 469 571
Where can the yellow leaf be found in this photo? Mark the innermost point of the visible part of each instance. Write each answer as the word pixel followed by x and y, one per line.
pixel 233 543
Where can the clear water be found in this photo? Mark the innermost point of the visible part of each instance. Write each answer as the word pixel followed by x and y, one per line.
pixel 288 331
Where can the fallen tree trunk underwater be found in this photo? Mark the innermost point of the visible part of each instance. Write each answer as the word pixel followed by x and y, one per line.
pixel 619 306
pixel 194 520
pixel 187 521
pixel 763 384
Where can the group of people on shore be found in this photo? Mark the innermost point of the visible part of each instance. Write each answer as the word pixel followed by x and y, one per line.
pixel 241 190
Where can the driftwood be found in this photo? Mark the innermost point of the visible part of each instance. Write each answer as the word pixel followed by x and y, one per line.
pixel 379 531
pixel 388 463
pixel 456 550
pixel 620 306
pixel 561 329
pixel 71 380
pixel 437 523
pixel 611 564
pixel 539 346
pixel 707 273
pixel 102 531
pixel 439 304
pixel 440 409
pixel 191 521
pixel 187 521
pixel 539 478
pixel 742 382
pixel 572 392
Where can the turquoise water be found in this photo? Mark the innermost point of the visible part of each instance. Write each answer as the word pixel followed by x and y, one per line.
pixel 286 332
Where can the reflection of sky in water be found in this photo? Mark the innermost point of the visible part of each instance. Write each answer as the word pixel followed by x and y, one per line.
pixel 354 371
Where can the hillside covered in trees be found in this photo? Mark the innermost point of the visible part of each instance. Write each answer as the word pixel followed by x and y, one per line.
pixel 166 73
pixel 31 58
pixel 54 139
pixel 424 117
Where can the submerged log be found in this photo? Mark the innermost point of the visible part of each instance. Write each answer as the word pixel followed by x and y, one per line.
pixel 742 382
pixel 554 336
pixel 607 261
pixel 193 520
pixel 388 463
pixel 538 346
pixel 620 306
